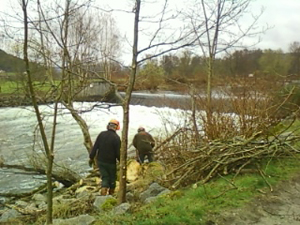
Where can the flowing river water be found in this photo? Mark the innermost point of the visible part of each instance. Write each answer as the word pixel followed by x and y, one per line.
pixel 20 139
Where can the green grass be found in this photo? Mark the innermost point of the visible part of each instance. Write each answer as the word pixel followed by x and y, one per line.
pixel 8 87
pixel 12 87
pixel 196 205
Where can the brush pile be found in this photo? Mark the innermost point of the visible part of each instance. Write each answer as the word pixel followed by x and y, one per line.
pixel 187 165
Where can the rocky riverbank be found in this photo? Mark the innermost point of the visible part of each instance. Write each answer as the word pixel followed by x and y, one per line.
pixel 84 198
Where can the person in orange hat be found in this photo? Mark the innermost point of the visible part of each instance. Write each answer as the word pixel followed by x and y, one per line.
pixel 144 143
pixel 107 151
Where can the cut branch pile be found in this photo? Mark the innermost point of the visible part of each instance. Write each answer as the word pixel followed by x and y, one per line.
pixel 187 166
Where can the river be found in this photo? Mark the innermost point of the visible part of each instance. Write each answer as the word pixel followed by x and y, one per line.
pixel 20 140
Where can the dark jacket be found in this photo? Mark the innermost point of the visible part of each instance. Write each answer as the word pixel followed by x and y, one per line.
pixel 143 142
pixel 107 147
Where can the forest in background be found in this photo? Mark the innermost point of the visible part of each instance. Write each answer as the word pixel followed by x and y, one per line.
pixel 172 69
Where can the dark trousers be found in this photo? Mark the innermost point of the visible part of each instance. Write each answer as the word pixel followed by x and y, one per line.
pixel 149 155
pixel 108 173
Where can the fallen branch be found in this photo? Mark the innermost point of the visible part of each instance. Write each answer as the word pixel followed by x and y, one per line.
pixel 264 177
pixel 66 181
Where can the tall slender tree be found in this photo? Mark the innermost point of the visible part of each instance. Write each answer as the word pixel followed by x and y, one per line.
pixel 218 27
pixel 294 50
pixel 158 44
pixel 48 148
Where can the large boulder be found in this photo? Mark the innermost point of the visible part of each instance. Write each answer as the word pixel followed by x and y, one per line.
pixel 105 203
pixel 82 220
pixel 154 190
pixel 122 208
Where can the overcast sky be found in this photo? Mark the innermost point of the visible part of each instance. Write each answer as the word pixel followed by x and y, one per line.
pixel 282 15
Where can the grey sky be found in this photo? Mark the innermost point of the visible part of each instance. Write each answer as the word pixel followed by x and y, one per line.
pixel 282 15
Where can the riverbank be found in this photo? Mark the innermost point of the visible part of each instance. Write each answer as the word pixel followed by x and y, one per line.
pixel 208 199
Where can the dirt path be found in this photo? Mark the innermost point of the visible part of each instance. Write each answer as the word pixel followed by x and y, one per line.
pixel 279 207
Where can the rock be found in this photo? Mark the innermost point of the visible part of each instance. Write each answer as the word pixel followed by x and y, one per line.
pixel 101 200
pixel 164 192
pixel 21 203
pixel 153 190
pixel 84 195
pixel 3 200
pixel 42 205
pixel 129 197
pixel 31 207
pixel 150 199
pixel 39 198
pixel 121 209
pixel 79 220
pixel 9 215
pixel 40 201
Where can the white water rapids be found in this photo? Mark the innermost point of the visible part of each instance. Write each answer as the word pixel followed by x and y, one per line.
pixel 20 139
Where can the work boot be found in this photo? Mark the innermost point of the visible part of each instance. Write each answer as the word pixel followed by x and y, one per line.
pixel 103 191
pixel 111 191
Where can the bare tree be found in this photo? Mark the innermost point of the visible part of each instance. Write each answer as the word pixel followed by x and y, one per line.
pixel 157 45
pixel 294 49
pixel 67 38
pixel 73 31
pixel 218 27
pixel 109 44
pixel 49 149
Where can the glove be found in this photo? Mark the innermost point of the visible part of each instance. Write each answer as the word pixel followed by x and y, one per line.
pixel 91 162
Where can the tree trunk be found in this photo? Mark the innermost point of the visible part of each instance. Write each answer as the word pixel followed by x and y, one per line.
pixel 48 151
pixel 196 131
pixel 208 102
pixel 84 127
pixel 123 156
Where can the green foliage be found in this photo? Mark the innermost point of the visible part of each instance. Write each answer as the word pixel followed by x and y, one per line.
pixel 196 205
pixel 8 87
pixel 274 62
pixel 109 204
pixel 150 76
pixel 16 87
pixel 153 170
pixel 290 96
pixel 10 63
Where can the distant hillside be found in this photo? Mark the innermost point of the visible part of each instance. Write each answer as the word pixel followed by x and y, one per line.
pixel 10 63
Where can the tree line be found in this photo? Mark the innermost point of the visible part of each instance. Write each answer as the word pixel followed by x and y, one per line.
pixel 186 66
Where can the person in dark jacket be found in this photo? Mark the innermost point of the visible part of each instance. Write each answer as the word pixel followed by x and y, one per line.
pixel 107 151
pixel 144 143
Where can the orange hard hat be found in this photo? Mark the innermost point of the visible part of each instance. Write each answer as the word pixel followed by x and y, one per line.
pixel 116 122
